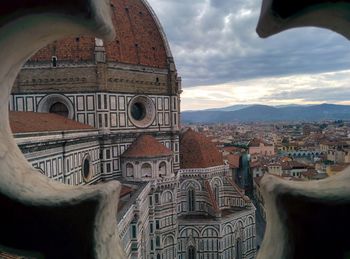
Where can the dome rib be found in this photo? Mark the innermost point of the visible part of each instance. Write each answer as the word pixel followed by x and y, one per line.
pixel 140 39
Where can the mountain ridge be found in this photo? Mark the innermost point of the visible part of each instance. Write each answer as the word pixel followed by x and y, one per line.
pixel 266 113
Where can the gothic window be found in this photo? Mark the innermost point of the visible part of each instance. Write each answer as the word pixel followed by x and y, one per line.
pixel 191 252
pixel 129 170
pixel 133 231
pixel 157 241
pixel 217 193
pixel 191 200
pixel 60 109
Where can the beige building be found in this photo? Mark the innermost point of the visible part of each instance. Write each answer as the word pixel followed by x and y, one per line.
pixel 258 146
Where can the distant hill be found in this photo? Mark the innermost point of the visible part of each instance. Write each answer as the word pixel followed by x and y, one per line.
pixel 264 113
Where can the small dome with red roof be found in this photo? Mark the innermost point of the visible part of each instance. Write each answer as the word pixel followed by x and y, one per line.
pixel 146 146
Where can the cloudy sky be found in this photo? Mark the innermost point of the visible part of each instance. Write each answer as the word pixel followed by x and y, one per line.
pixel 223 62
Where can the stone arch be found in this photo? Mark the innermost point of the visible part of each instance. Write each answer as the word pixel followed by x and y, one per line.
pixel 146 170
pixel 167 197
pixel 205 232
pixel 168 247
pixel 50 100
pixel 239 224
pixel 130 170
pixel 190 183
pixel 249 221
pixel 216 180
pixel 194 232
pixel 168 240
pixel 228 229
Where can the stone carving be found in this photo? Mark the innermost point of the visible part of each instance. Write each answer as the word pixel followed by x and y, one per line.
pixel 38 214
pixel 306 220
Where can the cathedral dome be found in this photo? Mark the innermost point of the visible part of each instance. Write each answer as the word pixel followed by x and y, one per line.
pixel 197 151
pixel 140 39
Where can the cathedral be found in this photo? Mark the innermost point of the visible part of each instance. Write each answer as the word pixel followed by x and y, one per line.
pixel 84 111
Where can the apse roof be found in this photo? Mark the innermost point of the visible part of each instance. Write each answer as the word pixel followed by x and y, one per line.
pixel 146 146
pixel 26 122
pixel 197 151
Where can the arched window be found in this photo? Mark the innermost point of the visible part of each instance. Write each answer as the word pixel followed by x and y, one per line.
pixel 191 200
pixel 146 170
pixel 54 61
pixel 162 169
pixel 129 170
pixel 60 109
pixel 158 256
pixel 191 252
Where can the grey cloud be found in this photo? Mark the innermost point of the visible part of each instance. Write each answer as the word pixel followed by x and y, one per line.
pixel 214 41
pixel 327 95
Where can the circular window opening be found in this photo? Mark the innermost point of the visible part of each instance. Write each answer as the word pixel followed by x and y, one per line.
pixel 86 168
pixel 138 111
pixel 60 109
pixel 141 111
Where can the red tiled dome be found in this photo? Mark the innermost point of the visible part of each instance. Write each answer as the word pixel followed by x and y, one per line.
pixel 139 39
pixel 146 146
pixel 197 151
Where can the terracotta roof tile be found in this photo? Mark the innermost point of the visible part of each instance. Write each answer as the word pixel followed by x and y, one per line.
pixel 256 143
pixel 138 40
pixel 233 160
pixel 196 151
pixel 231 149
pixel 25 122
pixel 146 146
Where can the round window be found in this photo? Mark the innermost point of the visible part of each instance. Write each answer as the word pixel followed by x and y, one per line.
pixel 141 111
pixel 138 111
pixel 86 168
pixel 60 109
